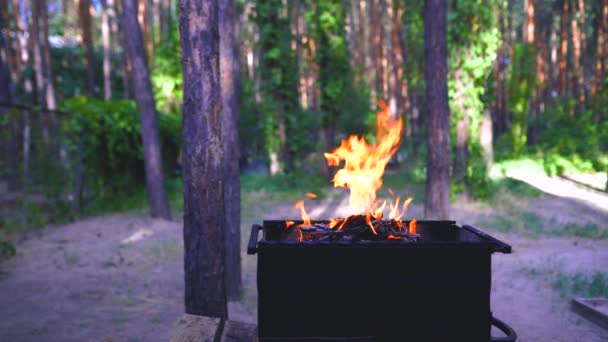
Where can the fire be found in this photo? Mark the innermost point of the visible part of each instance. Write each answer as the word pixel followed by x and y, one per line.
pixel 364 163
pixel 412 229
pixel 362 173
pixel 305 217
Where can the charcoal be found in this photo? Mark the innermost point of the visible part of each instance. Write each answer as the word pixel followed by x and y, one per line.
pixel 356 228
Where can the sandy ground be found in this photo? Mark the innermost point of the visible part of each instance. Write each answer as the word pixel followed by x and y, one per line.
pixel 120 277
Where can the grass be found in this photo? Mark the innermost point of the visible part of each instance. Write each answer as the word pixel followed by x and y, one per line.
pixel 542 165
pixel 569 285
pixel 532 225
pixel 581 285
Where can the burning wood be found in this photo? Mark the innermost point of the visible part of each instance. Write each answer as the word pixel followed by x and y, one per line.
pixel 362 173
pixel 352 229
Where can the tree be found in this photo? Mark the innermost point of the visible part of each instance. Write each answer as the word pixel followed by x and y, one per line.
pixel 229 70
pixel 155 184
pixel 107 7
pixel 84 15
pixel 562 83
pixel 7 129
pixel 49 86
pixel 203 160
pixel 437 195
pixel 37 50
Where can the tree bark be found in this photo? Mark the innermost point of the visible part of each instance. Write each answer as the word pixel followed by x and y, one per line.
pixel 84 13
pixel 105 34
pixel 127 69
pixel 203 154
pixel 11 54
pixel 37 51
pixel 577 76
pixel 437 195
pixel 562 82
pixel 155 183
pixel 396 76
pixel 529 27
pixel 146 28
pixel 229 70
pixel 48 65
pixel 601 39
pixel 7 132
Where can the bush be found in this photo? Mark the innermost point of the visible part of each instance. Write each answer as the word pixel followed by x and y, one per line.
pixel 106 138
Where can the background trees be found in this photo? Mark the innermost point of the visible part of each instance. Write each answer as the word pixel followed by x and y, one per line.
pixel 525 78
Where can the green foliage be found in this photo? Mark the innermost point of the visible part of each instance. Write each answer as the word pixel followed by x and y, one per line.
pixel 473 39
pixel 521 80
pixel 106 136
pixel 278 72
pixel 289 186
pixel 579 137
pixel 514 187
pixel 166 76
pixel 580 284
pixel 7 249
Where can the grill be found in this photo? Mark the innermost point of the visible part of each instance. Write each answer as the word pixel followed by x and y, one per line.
pixel 433 289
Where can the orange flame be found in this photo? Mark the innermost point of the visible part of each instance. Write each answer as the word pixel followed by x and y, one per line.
pixel 412 228
pixel 305 217
pixel 364 163
pixel 288 224
pixel 368 220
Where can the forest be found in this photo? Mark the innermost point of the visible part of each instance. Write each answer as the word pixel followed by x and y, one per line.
pixel 94 97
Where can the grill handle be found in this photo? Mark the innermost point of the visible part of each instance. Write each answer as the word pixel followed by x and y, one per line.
pixel 253 239
pixel 499 245
pixel 502 326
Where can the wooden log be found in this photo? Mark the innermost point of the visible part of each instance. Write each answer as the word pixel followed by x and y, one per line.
pixel 238 331
pixel 193 328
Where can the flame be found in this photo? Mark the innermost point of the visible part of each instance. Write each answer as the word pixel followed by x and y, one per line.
pixel 368 220
pixel 364 163
pixel 311 195
pixel 305 217
pixel 343 223
pixel 412 228
pixel 333 222
pixel 288 224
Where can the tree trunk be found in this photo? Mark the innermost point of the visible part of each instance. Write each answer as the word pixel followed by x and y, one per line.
pixel 203 154
pixel 229 70
pixel 127 69
pixel 486 137
pixel 143 17
pixel 105 34
pixel 165 13
pixel 437 195
pixel 11 54
pixel 155 182
pixel 529 27
pixel 562 82
pixel 84 12
pixel 37 51
pixel 601 42
pixel 7 132
pixel 396 75
pixel 577 76
pixel 48 65
pixel 461 157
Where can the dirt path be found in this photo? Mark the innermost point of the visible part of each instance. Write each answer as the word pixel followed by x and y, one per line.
pixel 120 277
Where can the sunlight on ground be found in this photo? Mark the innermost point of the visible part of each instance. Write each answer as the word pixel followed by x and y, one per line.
pixel 561 188
pixel 137 235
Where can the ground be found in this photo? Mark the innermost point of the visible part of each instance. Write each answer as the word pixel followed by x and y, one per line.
pixel 120 277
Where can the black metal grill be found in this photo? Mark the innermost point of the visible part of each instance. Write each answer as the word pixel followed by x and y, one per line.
pixel 434 289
